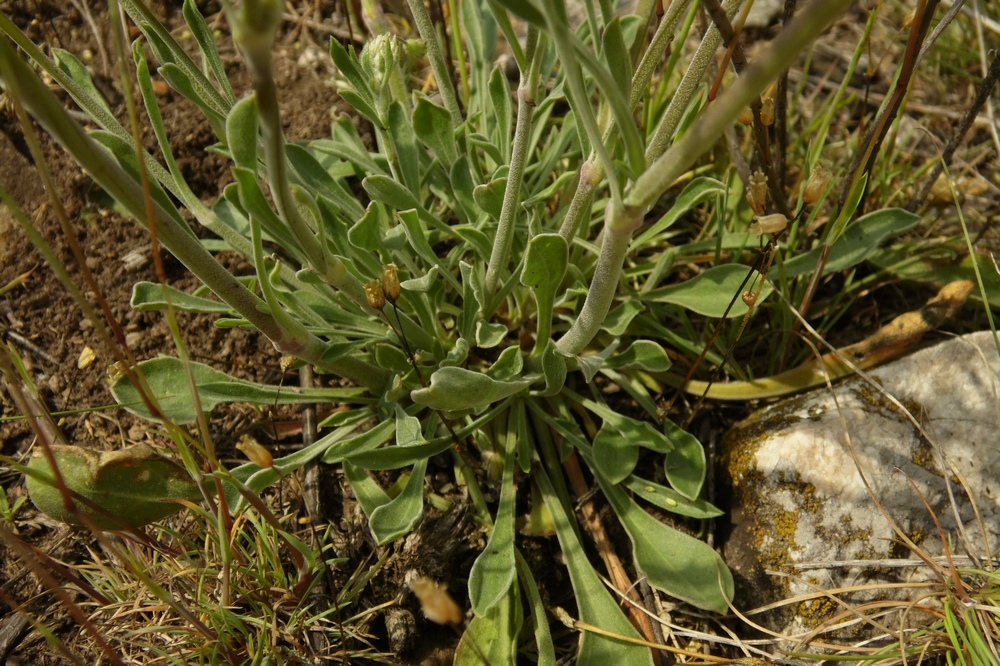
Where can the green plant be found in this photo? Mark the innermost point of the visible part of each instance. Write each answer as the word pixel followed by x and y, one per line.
pixel 466 200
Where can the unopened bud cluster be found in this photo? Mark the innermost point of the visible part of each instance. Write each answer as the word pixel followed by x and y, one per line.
pixel 387 289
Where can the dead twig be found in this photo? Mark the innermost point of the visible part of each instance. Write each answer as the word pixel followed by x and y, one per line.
pixel 781 107
pixel 982 94
pixel 775 180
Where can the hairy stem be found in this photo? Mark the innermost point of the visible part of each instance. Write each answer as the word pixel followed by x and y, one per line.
pixel 522 135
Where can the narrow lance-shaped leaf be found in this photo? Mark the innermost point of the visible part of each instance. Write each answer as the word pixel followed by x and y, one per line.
pixel 596 606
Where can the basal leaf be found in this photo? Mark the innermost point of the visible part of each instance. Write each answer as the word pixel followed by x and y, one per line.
pixel 456 389
pixel 685 463
pixel 857 242
pixel 395 519
pixel 148 296
pixel 168 382
pixel 613 454
pixel 692 571
pixel 641 355
pixel 134 484
pixel 595 604
pixel 711 292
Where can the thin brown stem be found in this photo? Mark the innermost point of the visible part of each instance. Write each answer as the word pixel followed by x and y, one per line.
pixel 731 35
pixel 982 94
pixel 781 107
pixel 864 158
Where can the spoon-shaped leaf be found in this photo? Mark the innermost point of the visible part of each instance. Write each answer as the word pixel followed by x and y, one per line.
pixel 135 484
pixel 672 561
pixel 455 389
pixel 596 606
pixel 168 383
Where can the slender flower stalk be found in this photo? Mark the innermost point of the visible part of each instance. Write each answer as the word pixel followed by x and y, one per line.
pixel 621 222
pixel 526 92
pixel 427 32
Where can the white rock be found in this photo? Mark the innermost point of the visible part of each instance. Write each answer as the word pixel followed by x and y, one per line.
pixel 801 505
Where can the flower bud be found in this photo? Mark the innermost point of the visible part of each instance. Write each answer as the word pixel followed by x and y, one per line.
pixel 256 453
pixel 390 282
pixel 745 116
pixel 816 186
pixel 767 111
pixel 380 56
pixel 373 290
pixel 768 224
pixel 757 192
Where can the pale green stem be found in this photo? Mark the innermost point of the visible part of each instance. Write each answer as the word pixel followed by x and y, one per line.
pixel 603 286
pixel 621 222
pixel 253 32
pixel 589 177
pixel 703 57
pixel 579 99
pixel 704 132
pixel 427 32
pixel 591 172
pixel 653 55
pixel 526 92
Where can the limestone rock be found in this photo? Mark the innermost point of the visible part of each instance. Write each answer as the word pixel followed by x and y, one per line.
pixel 804 473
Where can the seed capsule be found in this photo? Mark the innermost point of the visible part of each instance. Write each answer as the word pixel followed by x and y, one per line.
pixel 819 178
pixel 767 111
pixel 390 282
pixel 768 224
pixel 256 453
pixel 373 291
pixel 757 192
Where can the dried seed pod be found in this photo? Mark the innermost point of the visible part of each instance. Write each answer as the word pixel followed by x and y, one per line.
pixel 767 111
pixel 749 297
pixel 768 224
pixel 373 291
pixel 255 452
pixel 745 116
pixel 390 282
pixel 757 192
pixel 819 179
pixel 437 604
